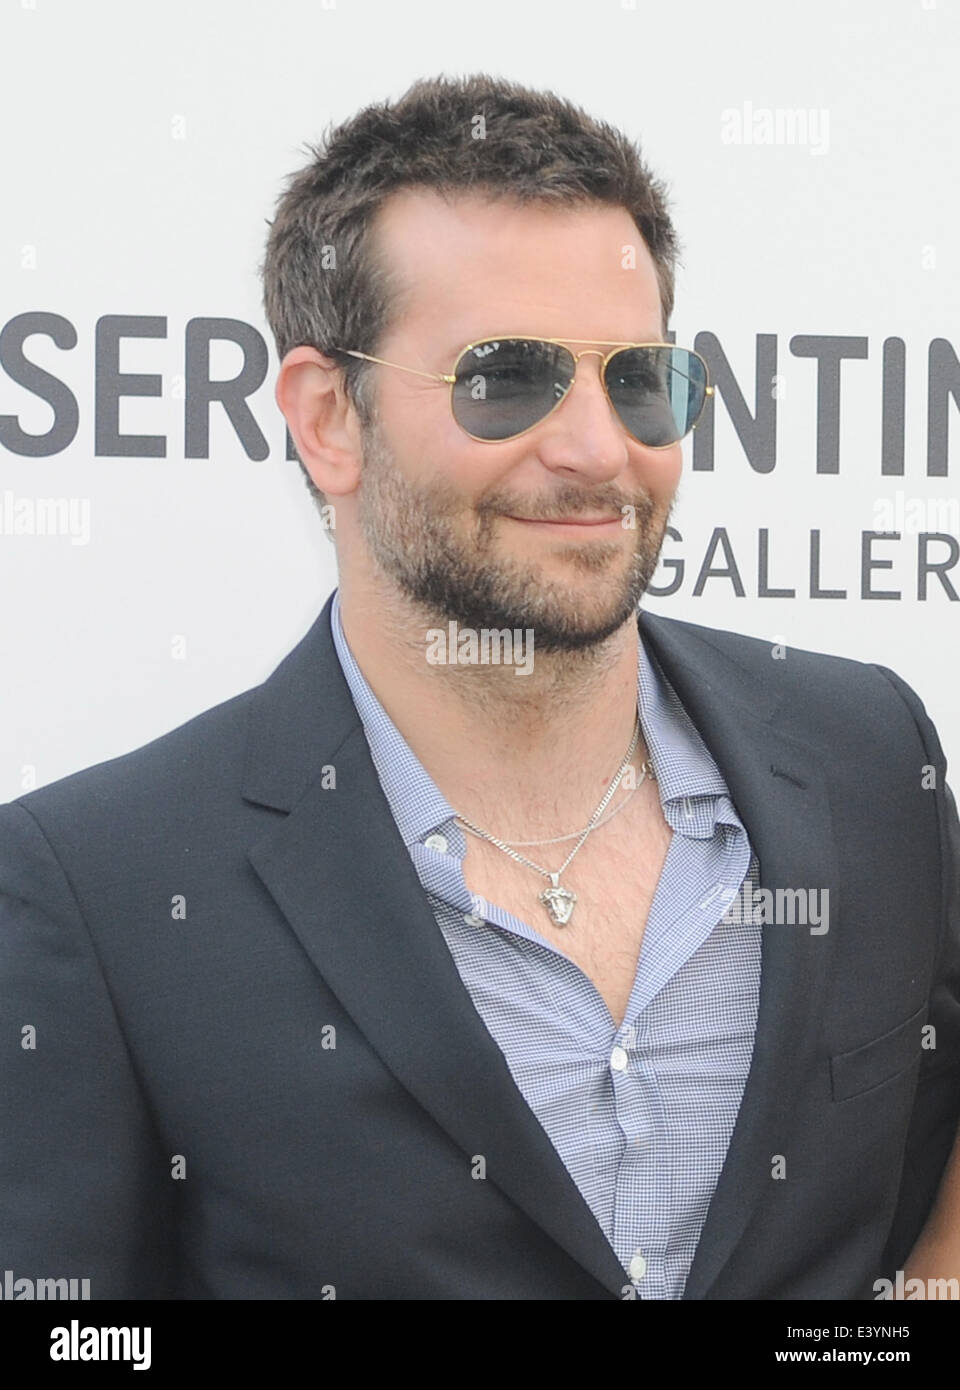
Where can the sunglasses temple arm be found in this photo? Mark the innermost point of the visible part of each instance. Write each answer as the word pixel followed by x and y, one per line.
pixel 433 376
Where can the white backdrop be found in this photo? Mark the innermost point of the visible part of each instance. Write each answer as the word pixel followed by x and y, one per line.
pixel 812 155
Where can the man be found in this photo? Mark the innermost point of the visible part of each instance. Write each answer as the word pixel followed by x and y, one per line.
pixel 412 974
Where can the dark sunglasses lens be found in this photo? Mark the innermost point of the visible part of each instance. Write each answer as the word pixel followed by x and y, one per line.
pixel 504 386
pixel 658 392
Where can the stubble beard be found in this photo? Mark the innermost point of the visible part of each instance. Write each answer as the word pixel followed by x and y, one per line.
pixel 411 534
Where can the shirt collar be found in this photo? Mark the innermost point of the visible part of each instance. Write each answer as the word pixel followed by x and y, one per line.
pixel 681 762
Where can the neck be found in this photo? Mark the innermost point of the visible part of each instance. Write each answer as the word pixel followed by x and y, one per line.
pixel 521 755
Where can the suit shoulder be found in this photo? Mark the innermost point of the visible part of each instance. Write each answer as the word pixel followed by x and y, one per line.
pixel 812 687
pixel 733 643
pixel 197 757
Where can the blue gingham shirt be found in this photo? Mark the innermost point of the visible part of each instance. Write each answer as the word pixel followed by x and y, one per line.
pixel 640 1115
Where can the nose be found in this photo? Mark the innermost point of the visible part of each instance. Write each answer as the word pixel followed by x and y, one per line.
pixel 584 437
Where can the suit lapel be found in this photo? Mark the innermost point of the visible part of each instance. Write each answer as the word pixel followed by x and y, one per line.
pixel 338 869
pixel 378 947
pixel 778 786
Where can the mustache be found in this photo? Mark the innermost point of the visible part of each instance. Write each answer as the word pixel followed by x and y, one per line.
pixel 567 501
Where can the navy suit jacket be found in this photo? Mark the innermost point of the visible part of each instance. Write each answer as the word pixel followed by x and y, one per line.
pixel 239 1061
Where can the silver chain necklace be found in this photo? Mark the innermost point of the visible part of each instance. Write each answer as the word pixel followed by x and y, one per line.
pixel 560 901
pixel 604 820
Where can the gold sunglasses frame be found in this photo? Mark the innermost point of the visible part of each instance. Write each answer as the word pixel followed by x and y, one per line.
pixel 558 342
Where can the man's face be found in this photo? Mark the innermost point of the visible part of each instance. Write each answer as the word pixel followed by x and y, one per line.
pixel 493 534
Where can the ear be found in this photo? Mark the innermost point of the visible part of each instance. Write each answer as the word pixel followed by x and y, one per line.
pixel 321 419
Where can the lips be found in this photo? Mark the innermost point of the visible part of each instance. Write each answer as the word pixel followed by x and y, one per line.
pixel 568 520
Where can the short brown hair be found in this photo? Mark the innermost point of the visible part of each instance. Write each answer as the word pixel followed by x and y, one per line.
pixel 537 148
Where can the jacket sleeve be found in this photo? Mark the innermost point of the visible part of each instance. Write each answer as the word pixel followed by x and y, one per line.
pixel 936 1116
pixel 945 992
pixel 945 999
pixel 85 1189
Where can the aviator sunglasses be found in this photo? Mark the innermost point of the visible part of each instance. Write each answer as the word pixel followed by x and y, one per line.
pixel 502 387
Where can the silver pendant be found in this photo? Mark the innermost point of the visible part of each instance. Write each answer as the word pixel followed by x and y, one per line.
pixel 559 901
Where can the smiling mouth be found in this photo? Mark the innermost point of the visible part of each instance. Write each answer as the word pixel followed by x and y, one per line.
pixel 583 523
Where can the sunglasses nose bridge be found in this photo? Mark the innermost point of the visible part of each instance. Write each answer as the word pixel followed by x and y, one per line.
pixel 591 352
pixel 587 352
pixel 601 372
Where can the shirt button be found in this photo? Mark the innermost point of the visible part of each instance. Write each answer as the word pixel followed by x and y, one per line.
pixel 618 1059
pixel 473 919
pixel 638 1266
pixel 438 842
pixel 629 1035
